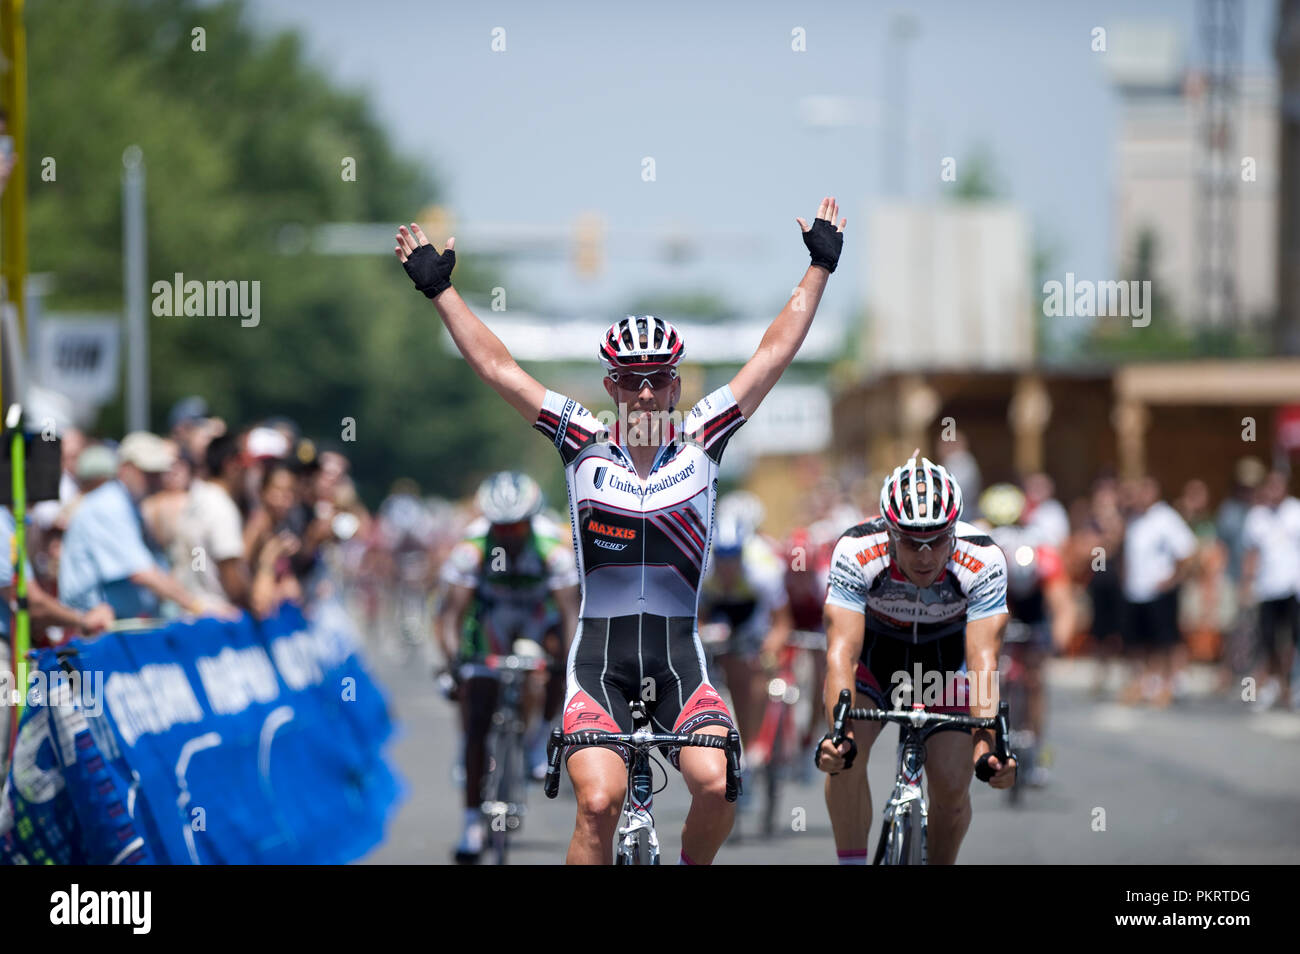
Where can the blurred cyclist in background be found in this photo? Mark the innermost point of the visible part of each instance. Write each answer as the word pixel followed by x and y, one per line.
pixel 744 594
pixel 406 536
pixel 807 571
pixel 1038 601
pixel 513 580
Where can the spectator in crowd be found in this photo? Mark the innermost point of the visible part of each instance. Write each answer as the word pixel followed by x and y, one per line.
pixel 106 555
pixel 1103 538
pixel 1206 604
pixel 44 609
pixel 191 427
pixel 262 446
pixel 1044 514
pixel 1240 638
pixel 162 510
pixel 210 530
pixel 955 455
pixel 1270 578
pixel 96 465
pixel 315 513
pixel 271 538
pixel 1159 551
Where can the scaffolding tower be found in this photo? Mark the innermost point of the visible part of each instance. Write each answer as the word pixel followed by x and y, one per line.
pixel 1220 28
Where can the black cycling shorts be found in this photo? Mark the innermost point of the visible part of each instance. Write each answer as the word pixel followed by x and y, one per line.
pixel 656 659
pixel 885 659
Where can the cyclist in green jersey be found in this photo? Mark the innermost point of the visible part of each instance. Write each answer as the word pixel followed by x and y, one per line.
pixel 513 577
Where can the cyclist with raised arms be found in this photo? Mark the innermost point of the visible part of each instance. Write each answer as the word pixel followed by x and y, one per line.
pixel 641 497
pixel 914 586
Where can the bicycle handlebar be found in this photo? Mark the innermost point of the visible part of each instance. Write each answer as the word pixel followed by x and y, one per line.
pixel 643 740
pixel 917 718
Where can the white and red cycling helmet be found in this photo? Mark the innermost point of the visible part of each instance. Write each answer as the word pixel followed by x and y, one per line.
pixel 920 499
pixel 641 339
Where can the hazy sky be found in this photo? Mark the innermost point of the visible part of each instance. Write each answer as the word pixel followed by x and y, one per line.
pixel 558 123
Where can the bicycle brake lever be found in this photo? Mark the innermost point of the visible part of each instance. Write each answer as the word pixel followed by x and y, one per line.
pixel 840 716
pixel 554 752
pixel 733 765
pixel 1002 737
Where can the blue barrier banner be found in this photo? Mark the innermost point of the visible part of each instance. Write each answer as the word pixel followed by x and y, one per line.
pixel 204 742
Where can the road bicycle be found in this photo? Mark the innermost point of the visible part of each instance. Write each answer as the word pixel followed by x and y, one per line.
pixel 775 749
pixel 903 833
pixel 636 842
pixel 1016 644
pixel 506 777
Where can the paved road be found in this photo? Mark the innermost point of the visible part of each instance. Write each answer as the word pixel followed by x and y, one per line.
pixel 1204 782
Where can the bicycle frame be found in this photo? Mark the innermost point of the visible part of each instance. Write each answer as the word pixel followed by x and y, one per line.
pixel 905 842
pixel 638 812
pixel 907 802
pixel 503 783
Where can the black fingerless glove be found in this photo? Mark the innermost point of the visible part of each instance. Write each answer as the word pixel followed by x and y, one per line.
pixel 982 770
pixel 824 242
pixel 848 758
pixel 430 271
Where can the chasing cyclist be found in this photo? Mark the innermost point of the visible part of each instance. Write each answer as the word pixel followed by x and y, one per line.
pixel 512 578
pixel 744 592
pixel 914 586
pixel 641 496
pixel 1038 602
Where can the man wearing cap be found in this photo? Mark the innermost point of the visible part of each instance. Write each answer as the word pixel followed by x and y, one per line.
pixel 106 555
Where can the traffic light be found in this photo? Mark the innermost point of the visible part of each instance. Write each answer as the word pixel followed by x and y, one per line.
pixel 438 224
pixel 589 245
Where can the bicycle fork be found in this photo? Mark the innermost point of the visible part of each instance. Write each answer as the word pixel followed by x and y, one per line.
pixel 638 824
pixel 907 798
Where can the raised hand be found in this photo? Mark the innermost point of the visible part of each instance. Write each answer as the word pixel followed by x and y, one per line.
pixel 430 271
pixel 824 239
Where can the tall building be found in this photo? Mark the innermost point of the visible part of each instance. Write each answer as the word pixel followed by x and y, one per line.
pixel 1162 175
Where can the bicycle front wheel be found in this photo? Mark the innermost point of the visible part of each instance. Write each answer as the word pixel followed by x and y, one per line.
pixel 505 793
pixel 912 844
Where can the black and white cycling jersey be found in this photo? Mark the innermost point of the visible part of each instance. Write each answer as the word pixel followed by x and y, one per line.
pixel 863 578
pixel 641 547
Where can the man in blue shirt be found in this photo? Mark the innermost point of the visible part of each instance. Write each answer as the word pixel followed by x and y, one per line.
pixel 45 609
pixel 106 554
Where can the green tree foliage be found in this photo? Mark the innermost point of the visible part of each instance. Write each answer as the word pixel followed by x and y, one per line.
pixel 244 144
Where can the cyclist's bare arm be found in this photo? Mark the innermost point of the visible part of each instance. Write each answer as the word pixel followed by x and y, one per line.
pixel 484 351
pixel 983 640
pixel 451 620
pixel 845 630
pixel 567 599
pixel 784 336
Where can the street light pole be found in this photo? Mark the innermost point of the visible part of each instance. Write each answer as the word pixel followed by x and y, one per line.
pixel 902 28
pixel 133 284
